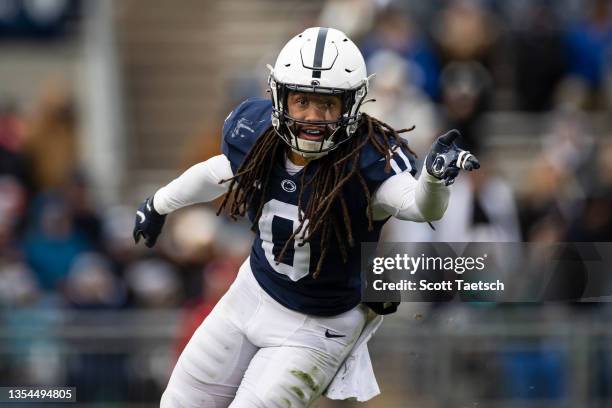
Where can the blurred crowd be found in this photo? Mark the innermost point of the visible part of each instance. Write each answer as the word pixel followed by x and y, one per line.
pixel 58 248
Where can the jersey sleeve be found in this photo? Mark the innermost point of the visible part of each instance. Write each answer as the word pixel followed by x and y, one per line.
pixel 373 163
pixel 242 127
pixel 201 183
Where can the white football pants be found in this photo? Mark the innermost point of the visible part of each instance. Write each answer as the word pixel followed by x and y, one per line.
pixel 253 352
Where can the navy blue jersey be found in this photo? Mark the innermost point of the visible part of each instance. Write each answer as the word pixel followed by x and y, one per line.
pixel 338 287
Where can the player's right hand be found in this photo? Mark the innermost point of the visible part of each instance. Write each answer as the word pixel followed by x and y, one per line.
pixel 446 159
pixel 148 223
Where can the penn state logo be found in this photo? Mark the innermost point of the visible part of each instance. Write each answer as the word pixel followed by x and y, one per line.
pixel 288 185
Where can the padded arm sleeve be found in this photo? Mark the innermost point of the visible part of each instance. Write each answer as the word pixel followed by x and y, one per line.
pixel 200 183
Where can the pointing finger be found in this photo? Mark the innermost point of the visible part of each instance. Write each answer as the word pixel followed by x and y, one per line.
pixel 467 161
pixel 473 163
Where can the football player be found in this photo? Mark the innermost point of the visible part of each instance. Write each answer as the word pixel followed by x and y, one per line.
pixel 316 177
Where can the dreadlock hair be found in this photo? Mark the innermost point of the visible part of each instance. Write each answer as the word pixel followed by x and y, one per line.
pixel 334 171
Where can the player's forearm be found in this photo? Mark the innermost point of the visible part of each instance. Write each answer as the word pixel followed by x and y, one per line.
pixel 198 184
pixel 403 197
pixel 431 197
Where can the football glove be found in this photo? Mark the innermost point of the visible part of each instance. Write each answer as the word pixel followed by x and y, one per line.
pixel 148 223
pixel 445 158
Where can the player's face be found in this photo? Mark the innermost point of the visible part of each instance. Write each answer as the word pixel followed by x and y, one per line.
pixel 313 107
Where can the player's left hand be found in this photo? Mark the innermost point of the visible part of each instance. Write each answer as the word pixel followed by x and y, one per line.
pixel 445 158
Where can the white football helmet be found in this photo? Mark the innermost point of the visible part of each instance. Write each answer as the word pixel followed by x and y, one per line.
pixel 320 60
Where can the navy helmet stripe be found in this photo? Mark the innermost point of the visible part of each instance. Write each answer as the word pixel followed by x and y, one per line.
pixel 318 54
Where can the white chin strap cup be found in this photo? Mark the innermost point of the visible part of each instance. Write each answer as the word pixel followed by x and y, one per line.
pixel 309 148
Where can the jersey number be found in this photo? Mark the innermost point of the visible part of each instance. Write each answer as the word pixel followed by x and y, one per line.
pixel 281 219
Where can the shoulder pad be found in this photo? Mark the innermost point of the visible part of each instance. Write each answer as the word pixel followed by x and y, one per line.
pixel 372 163
pixel 243 126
